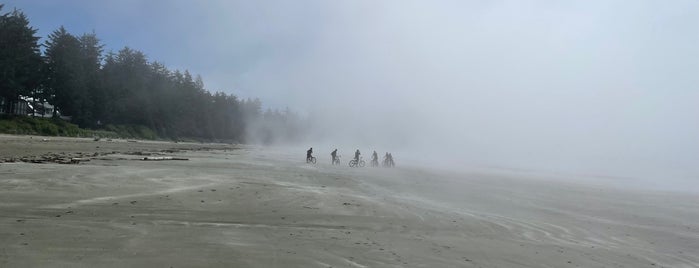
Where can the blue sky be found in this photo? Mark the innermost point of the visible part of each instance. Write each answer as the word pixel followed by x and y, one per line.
pixel 598 86
pixel 211 38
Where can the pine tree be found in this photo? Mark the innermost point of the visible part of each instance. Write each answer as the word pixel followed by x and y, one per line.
pixel 91 63
pixel 65 79
pixel 20 59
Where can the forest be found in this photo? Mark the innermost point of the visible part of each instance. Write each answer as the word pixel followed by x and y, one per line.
pixel 102 90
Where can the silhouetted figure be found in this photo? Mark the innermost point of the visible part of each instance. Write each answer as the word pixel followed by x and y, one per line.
pixel 356 155
pixel 374 159
pixel 385 160
pixel 309 154
pixel 390 160
pixel 334 157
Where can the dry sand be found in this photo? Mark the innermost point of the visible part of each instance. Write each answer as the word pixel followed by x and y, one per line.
pixel 250 207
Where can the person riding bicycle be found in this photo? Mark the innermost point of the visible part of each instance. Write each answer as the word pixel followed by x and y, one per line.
pixel 374 159
pixel 356 155
pixel 334 155
pixel 309 154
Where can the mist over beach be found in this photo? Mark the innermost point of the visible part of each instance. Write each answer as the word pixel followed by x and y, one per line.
pixel 177 133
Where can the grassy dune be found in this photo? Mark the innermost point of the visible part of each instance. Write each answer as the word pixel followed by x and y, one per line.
pixel 25 125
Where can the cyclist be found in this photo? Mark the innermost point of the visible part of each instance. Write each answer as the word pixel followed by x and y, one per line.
pixel 334 156
pixel 309 154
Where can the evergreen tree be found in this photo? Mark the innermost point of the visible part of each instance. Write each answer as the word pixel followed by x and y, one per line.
pixel 125 78
pixel 91 61
pixel 65 79
pixel 20 59
pixel 124 88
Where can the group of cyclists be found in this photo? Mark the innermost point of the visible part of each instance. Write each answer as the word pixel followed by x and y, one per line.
pixel 357 161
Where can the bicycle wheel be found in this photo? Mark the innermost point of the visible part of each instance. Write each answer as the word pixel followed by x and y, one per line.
pixel 352 163
pixel 362 163
pixel 313 160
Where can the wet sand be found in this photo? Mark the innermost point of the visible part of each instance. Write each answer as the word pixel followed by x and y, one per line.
pixel 238 206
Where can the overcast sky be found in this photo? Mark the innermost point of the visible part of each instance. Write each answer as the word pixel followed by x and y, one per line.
pixel 601 87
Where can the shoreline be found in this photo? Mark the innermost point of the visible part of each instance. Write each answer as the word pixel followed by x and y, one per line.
pixel 42 149
pixel 240 206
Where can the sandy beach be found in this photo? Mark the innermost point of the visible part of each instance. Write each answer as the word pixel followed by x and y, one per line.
pixel 244 206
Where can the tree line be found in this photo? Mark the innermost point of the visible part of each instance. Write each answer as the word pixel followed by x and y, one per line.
pixel 97 89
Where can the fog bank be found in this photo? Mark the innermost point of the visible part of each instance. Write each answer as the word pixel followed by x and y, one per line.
pixel 602 87
pixel 589 87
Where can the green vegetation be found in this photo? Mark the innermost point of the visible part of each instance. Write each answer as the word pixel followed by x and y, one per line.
pixel 42 126
pixel 122 92
pixel 132 131
pixel 25 125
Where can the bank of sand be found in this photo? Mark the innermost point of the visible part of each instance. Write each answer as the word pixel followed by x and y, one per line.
pixel 252 207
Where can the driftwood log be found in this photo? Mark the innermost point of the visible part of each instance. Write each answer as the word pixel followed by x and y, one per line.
pixel 162 158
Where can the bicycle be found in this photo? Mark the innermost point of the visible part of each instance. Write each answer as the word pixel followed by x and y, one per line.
pixel 311 159
pixel 337 160
pixel 387 162
pixel 355 163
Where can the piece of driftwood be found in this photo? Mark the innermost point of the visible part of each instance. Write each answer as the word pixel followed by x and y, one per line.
pixel 76 160
pixel 162 158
